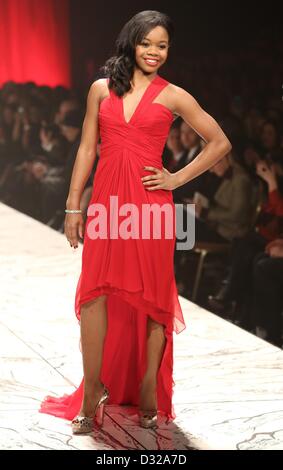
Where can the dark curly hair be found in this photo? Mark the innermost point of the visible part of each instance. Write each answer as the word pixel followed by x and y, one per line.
pixel 120 67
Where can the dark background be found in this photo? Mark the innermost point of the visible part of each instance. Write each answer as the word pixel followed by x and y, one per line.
pixel 201 28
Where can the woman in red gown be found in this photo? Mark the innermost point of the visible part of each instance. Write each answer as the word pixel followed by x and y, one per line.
pixel 126 300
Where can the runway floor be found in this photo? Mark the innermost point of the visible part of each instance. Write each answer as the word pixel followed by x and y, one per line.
pixel 229 383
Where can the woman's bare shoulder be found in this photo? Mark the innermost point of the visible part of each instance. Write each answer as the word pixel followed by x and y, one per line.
pixel 99 89
pixel 174 96
pixel 176 92
pixel 180 99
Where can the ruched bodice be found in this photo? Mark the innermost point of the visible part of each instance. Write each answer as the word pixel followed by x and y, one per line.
pixel 145 137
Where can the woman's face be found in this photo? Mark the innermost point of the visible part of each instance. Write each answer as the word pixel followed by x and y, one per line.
pixel 152 52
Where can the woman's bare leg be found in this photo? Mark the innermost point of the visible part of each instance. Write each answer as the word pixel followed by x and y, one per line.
pixel 93 330
pixel 156 341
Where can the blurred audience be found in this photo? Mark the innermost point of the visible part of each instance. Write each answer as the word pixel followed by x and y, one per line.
pixel 230 212
pixel 268 292
pixel 206 183
pixel 40 131
pixel 238 202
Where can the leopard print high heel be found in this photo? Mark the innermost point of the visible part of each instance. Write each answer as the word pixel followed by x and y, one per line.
pixel 148 418
pixel 84 424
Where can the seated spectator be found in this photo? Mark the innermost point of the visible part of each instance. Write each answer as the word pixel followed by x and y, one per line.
pixel 53 145
pixel 71 127
pixel 229 214
pixel 267 306
pixel 174 148
pixel 207 183
pixel 267 227
pixel 270 142
pixel 22 188
pixel 55 189
pixel 253 122
pixel 64 108
pixel 267 148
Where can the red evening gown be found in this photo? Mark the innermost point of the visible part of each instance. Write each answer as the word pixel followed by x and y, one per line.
pixel 136 273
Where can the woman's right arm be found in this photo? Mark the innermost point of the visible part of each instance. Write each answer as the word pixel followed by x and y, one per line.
pixel 83 164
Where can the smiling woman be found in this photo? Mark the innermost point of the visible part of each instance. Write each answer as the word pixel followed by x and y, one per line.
pixel 152 59
pixel 126 298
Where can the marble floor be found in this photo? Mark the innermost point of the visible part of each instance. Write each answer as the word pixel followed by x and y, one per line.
pixel 229 383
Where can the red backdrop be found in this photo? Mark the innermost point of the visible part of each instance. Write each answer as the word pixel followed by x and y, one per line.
pixel 35 41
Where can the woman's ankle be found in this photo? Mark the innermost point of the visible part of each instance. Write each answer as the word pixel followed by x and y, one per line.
pixel 149 381
pixel 91 388
pixel 91 398
pixel 147 393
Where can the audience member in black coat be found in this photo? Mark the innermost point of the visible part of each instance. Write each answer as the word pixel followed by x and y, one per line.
pixel 207 183
pixel 54 197
pixel 267 295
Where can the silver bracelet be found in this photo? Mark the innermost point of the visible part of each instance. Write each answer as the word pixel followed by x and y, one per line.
pixel 73 211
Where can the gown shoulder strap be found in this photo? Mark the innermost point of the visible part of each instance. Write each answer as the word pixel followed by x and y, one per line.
pixel 156 88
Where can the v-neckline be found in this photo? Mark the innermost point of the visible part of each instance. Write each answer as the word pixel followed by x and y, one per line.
pixel 139 103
